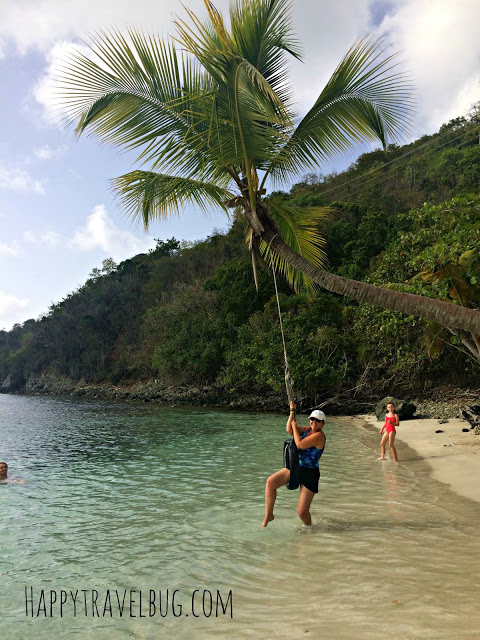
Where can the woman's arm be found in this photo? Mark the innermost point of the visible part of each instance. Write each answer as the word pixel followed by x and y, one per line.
pixel 397 420
pixel 291 418
pixel 292 421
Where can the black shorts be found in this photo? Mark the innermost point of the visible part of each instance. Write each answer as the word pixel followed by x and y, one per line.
pixel 309 478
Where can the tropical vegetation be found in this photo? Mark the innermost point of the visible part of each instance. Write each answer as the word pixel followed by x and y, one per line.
pixel 213 117
pixel 189 315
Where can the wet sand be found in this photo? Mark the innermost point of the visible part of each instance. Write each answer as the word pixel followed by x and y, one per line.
pixel 454 456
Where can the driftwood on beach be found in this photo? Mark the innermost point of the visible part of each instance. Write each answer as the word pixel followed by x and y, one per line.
pixel 472 415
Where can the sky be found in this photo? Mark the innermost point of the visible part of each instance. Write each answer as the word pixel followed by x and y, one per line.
pixel 59 218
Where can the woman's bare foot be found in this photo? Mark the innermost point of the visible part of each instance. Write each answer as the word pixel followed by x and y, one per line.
pixel 381 458
pixel 267 519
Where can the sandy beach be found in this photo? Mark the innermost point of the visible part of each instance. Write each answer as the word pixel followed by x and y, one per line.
pixel 453 455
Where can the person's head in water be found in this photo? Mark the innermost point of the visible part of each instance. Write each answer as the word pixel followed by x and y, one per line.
pixel 317 419
pixel 3 469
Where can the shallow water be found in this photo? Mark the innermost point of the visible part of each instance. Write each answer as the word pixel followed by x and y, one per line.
pixel 135 497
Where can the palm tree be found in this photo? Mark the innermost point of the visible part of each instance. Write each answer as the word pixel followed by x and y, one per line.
pixel 212 116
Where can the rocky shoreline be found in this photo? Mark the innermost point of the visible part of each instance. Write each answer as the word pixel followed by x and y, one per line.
pixel 442 403
pixel 147 391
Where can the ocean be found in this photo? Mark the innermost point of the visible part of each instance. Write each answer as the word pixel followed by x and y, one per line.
pixel 137 520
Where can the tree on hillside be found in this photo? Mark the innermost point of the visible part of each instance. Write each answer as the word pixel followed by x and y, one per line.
pixel 212 115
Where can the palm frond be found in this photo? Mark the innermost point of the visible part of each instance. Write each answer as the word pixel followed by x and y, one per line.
pixel 262 34
pixel 148 196
pixel 139 93
pixel 209 42
pixel 207 119
pixel 299 228
pixel 244 97
pixel 366 98
pixel 126 72
pixel 260 123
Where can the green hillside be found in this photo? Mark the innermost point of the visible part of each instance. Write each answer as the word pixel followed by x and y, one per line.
pixel 188 315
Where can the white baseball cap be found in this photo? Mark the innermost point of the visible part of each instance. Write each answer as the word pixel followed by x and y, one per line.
pixel 319 415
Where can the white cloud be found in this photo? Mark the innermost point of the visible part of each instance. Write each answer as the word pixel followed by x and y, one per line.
pixel 326 31
pixel 48 153
pixel 438 44
pixel 39 24
pixel 45 91
pixel 100 232
pixel 11 309
pixel 439 40
pixel 9 250
pixel 340 26
pixel 442 50
pixel 19 180
pixel 50 239
pixel 29 236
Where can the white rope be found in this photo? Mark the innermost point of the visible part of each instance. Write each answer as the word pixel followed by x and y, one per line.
pixel 288 377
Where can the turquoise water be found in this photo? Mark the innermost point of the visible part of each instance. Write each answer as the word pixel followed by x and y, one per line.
pixel 123 498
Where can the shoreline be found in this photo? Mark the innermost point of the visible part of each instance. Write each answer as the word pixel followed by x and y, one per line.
pixel 453 455
pixel 439 403
pixel 148 391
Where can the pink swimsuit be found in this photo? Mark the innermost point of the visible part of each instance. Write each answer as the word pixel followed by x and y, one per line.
pixel 390 424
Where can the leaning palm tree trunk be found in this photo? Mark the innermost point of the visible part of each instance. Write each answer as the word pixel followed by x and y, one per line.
pixel 446 314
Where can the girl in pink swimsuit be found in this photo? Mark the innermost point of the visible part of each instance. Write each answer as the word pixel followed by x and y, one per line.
pixel 391 421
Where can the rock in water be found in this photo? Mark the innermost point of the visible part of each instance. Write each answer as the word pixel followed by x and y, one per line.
pixel 404 408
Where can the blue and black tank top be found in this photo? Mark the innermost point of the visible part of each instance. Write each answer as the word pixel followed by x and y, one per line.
pixel 310 457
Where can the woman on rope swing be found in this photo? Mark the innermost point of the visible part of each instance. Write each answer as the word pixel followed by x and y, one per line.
pixel 310 442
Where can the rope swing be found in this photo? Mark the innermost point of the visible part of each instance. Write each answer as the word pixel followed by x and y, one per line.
pixel 290 451
pixel 288 377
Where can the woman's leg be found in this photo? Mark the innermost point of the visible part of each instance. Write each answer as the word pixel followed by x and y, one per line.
pixel 303 507
pixel 391 441
pixel 382 446
pixel 274 482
